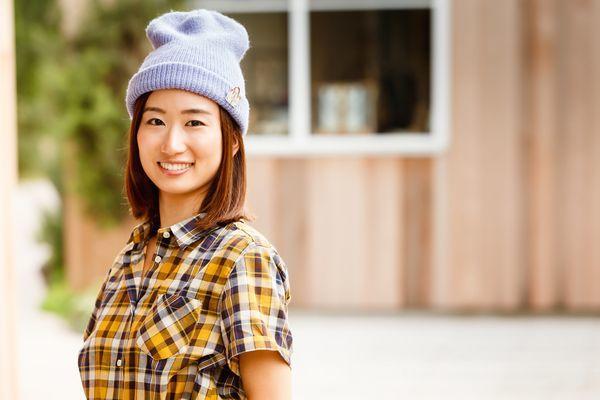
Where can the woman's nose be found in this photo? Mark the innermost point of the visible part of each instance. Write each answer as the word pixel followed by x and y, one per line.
pixel 174 141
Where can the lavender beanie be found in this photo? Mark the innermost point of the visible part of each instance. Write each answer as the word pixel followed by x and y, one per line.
pixel 199 51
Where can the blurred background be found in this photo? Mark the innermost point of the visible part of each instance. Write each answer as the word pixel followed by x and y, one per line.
pixel 428 169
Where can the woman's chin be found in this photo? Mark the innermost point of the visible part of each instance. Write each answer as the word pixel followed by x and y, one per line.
pixel 176 192
pixel 172 189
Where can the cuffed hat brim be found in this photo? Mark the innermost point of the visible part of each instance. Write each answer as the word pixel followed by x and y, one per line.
pixel 188 77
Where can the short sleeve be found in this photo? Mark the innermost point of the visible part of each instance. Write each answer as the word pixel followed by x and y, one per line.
pixel 254 306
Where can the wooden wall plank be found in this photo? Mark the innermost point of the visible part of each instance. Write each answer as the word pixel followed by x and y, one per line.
pixel 337 222
pixel 383 274
pixel 503 162
pixel 292 229
pixel 579 155
pixel 416 224
pixel 484 171
pixel 542 128
pixel 260 194
pixel 594 167
pixel 572 141
pixel 464 281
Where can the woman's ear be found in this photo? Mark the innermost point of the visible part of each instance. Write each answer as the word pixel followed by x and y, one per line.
pixel 236 146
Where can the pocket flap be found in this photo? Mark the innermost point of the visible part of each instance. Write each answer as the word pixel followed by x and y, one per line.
pixel 167 328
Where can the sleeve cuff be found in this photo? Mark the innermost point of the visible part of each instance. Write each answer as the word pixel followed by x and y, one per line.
pixel 253 343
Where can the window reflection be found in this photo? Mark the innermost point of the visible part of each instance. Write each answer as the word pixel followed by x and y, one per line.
pixel 370 71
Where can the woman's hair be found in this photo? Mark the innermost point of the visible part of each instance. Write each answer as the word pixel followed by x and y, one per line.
pixel 224 201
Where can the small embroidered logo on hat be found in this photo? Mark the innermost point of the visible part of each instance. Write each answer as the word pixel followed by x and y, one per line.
pixel 233 97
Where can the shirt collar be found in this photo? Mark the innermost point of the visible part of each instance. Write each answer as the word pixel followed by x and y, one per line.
pixel 185 231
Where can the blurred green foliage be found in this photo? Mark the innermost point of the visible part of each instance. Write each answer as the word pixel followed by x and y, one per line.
pixel 74 307
pixel 39 49
pixel 51 233
pixel 105 53
pixel 72 90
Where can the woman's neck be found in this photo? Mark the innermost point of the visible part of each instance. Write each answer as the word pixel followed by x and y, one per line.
pixel 176 208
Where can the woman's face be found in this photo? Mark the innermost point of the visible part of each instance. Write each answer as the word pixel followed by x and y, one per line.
pixel 179 141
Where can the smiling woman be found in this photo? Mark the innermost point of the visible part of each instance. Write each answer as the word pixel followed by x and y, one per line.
pixel 170 130
pixel 177 145
pixel 196 303
pixel 180 149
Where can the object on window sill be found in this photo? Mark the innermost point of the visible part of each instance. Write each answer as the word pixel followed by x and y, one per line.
pixel 347 107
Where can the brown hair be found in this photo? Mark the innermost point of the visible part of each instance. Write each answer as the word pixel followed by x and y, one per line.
pixel 224 202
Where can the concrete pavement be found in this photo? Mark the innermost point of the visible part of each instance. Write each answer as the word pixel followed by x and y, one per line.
pixel 393 356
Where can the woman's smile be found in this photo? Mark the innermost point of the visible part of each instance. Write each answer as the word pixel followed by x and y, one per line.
pixel 174 168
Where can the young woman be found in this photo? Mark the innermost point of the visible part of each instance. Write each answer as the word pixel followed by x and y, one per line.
pixel 195 306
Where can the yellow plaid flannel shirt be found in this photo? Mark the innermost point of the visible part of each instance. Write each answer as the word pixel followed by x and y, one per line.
pixel 209 296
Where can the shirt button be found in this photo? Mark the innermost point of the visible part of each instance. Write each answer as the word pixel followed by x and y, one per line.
pixel 119 362
pixel 157 259
pixel 166 235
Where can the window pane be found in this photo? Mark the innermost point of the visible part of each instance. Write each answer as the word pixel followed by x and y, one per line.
pixel 265 68
pixel 370 71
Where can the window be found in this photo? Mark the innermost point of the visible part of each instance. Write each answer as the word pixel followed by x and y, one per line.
pixel 265 69
pixel 370 71
pixel 345 76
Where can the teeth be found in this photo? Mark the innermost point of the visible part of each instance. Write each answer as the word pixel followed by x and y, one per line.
pixel 174 167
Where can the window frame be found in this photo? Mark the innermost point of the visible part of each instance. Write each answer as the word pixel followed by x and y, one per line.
pixel 300 141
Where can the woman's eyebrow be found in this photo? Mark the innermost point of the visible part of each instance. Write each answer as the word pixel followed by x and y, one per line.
pixel 196 111
pixel 159 110
pixel 188 111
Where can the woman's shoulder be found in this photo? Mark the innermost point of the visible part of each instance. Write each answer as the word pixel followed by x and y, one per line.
pixel 240 237
pixel 243 229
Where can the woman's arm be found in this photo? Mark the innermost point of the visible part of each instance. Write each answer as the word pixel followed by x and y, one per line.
pixel 265 375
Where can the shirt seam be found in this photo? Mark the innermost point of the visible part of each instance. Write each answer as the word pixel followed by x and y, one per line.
pixel 253 245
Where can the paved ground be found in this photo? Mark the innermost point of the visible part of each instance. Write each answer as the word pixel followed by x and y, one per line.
pixel 47 348
pixel 401 356
pixel 416 356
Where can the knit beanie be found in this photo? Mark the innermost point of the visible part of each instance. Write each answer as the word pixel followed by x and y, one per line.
pixel 198 51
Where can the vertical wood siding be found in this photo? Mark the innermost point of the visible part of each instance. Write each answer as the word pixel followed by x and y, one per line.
pixel 482 224
pixel 579 153
pixel 507 219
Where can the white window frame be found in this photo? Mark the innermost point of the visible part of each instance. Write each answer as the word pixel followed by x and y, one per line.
pixel 301 141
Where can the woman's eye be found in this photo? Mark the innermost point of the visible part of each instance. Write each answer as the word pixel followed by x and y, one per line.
pixel 159 122
pixel 195 122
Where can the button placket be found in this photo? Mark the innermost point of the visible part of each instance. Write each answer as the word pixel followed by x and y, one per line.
pixel 161 250
pixel 159 245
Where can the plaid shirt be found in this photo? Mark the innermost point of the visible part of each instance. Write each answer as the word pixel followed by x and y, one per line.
pixel 208 296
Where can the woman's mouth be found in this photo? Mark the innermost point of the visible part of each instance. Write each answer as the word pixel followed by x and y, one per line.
pixel 174 168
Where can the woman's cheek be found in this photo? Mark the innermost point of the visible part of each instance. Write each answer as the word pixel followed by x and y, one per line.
pixel 145 149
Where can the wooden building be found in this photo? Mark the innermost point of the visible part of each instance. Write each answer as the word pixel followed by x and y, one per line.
pixel 403 154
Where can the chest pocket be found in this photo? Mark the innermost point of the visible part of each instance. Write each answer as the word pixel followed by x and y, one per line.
pixel 168 327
